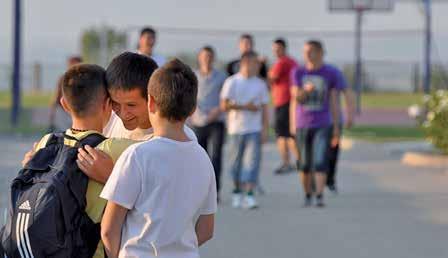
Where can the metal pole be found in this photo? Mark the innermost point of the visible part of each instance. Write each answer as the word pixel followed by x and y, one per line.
pixel 15 111
pixel 358 60
pixel 427 54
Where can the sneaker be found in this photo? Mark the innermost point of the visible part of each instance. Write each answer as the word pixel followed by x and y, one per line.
pixel 320 201
pixel 308 202
pixel 333 189
pixel 249 202
pixel 236 200
pixel 283 169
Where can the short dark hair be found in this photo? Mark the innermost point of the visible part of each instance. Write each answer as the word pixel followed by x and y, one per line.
pixel 82 86
pixel 129 71
pixel 316 44
pixel 174 88
pixel 148 30
pixel 281 42
pixel 209 49
pixel 249 54
pixel 248 37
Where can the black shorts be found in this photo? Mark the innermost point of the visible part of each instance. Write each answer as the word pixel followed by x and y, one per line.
pixel 282 121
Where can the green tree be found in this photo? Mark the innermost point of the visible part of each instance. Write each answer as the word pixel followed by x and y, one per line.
pixel 95 39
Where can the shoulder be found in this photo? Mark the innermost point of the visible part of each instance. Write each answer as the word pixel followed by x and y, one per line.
pixel 41 144
pixel 113 145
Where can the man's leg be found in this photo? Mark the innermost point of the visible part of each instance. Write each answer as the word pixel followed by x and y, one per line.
pixel 236 145
pixel 292 146
pixel 332 162
pixel 282 145
pixel 283 137
pixel 217 141
pixel 321 146
pixel 251 168
pixel 304 145
pixel 202 135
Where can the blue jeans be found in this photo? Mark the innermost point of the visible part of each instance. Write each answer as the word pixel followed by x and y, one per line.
pixel 245 157
pixel 314 146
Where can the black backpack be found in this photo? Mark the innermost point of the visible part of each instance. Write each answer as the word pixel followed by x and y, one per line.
pixel 46 216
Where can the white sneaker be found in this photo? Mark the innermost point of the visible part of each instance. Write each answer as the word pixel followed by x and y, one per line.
pixel 249 202
pixel 236 200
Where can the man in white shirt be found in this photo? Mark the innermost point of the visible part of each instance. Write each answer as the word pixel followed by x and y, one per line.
pixel 245 97
pixel 146 44
pixel 162 192
pixel 127 78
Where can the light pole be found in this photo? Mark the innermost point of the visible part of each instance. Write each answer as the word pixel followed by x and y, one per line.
pixel 15 111
pixel 428 42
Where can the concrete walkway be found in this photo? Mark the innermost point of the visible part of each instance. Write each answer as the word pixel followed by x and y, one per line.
pixel 384 210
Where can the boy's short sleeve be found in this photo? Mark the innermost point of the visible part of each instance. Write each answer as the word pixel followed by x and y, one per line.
pixel 124 184
pixel 340 82
pixel 226 92
pixel 277 69
pixel 264 94
pixel 295 78
pixel 210 204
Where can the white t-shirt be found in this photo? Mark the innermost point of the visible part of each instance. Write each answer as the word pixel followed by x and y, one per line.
pixel 241 91
pixel 116 129
pixel 166 185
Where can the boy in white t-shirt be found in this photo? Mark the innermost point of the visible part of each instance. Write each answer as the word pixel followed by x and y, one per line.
pixel 245 97
pixel 162 193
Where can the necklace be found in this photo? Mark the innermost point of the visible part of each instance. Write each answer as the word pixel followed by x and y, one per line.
pixel 78 130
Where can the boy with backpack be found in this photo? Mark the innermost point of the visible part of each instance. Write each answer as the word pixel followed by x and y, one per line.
pixel 162 192
pixel 56 209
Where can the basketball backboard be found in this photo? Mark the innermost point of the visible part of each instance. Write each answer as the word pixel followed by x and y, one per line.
pixel 360 5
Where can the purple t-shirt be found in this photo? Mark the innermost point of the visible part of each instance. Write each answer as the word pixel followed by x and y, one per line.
pixel 315 111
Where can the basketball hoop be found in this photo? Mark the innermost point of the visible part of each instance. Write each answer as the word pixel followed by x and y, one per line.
pixel 360 5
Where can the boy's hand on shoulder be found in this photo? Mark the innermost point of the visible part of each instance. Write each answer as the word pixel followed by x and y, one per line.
pixel 29 155
pixel 96 164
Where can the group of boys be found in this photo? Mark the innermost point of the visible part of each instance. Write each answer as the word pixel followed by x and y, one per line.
pixel 151 185
pixel 155 197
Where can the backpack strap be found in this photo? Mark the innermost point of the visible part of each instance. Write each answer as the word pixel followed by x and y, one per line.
pixel 92 140
pixel 55 138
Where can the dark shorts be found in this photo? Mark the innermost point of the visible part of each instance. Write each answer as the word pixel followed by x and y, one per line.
pixel 282 121
pixel 314 146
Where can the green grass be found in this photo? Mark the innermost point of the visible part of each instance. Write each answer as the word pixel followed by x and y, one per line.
pixel 385 133
pixel 24 127
pixel 390 100
pixel 29 100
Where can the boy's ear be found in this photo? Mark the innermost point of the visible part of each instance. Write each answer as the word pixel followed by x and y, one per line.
pixel 65 105
pixel 151 104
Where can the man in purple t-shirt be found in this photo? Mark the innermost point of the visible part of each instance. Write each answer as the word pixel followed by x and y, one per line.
pixel 313 112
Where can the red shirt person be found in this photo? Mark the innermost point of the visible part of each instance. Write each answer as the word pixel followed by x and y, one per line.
pixel 280 81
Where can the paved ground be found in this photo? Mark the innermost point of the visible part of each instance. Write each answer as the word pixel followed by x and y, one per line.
pixel 383 210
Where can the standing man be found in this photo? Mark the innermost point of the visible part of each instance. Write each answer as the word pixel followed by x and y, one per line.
pixel 334 150
pixel 147 43
pixel 315 117
pixel 208 120
pixel 280 80
pixel 245 97
pixel 246 44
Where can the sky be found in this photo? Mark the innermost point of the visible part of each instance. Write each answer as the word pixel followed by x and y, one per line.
pixel 52 27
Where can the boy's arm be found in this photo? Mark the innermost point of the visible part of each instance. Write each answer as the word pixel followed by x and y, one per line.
pixel 205 228
pixel 350 106
pixel 334 108
pixel 111 225
pixel 265 115
pixel 227 105
pixel 292 111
